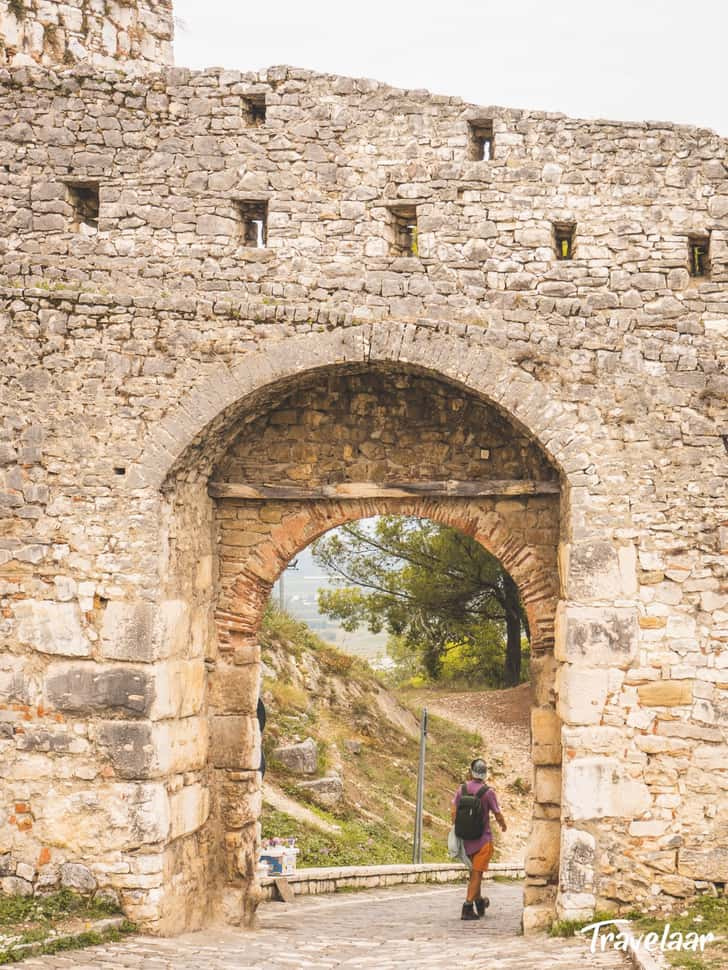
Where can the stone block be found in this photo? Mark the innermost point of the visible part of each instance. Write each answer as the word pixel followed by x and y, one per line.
pixel 179 689
pixel 77 877
pixel 596 787
pixel 302 759
pixel 542 857
pixel 51 627
pixel 537 919
pixel 234 742
pixel 328 791
pixel 547 787
pixel 141 750
pixel 578 857
pixel 188 810
pixel 13 886
pixel 89 687
pixel 666 693
pixel 127 631
pixel 594 572
pixel 582 693
pixel 233 689
pixel 709 863
pixel 596 636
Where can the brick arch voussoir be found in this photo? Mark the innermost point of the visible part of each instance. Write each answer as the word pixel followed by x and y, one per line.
pixel 241 610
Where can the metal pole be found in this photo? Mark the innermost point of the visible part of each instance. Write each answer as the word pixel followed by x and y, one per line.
pixel 417 845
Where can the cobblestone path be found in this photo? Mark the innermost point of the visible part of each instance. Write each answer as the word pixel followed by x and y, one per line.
pixel 412 928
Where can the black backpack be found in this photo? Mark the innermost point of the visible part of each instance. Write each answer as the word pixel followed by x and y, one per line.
pixel 469 816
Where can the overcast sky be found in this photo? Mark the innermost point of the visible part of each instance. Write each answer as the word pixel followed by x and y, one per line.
pixel 621 59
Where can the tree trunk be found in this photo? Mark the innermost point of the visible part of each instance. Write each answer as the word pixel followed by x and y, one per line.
pixel 512 666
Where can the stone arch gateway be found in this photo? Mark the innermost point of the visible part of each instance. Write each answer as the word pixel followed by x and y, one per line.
pixel 146 341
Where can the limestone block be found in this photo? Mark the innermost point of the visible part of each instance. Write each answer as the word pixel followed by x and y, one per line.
pixel 596 636
pixel 575 906
pixel 13 886
pixel 543 848
pixel 235 742
pixel 233 688
pixel 582 694
pixel 127 631
pixel 179 689
pixel 89 687
pixel 594 572
pixel 77 877
pixel 328 791
pixel 188 810
pixel 51 627
pixel 666 693
pixel 578 856
pixel 13 684
pixel 117 816
pixel 143 749
pixel 545 736
pixel 547 787
pixel 708 863
pixel 537 919
pixel 301 758
pixel 174 628
pixel 596 787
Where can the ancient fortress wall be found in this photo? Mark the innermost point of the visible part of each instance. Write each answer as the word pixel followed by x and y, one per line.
pixel 135 35
pixel 145 333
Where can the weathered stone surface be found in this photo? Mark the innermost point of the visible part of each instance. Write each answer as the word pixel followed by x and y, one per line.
pixel 127 631
pixel 666 693
pixel 542 858
pixel 302 758
pixel 582 693
pixel 13 886
pixel 93 687
pixel 51 628
pixel 597 636
pixel 578 859
pixel 77 877
pixel 329 791
pixel 706 864
pixel 595 787
pixel 234 742
pixel 547 786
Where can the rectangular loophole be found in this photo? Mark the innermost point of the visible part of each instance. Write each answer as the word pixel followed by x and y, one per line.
pixel 83 197
pixel 482 142
pixel 254 222
pixel 254 108
pixel 564 236
pixel 404 221
pixel 699 255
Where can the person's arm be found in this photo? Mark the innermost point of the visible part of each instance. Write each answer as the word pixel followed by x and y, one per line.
pixel 501 821
pixel 495 808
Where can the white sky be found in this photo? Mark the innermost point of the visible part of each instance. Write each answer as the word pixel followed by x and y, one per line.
pixel 652 60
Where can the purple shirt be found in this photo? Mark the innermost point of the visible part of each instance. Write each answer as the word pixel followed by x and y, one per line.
pixel 490 804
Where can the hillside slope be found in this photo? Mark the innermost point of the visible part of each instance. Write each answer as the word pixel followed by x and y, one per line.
pixel 363 735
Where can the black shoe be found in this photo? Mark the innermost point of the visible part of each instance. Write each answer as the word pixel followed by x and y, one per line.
pixel 469 912
pixel 481 905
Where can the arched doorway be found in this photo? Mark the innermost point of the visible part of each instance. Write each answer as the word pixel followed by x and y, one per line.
pixel 315 451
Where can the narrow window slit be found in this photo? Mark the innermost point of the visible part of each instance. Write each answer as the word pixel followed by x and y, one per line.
pixel 254 223
pixel 564 235
pixel 254 107
pixel 83 197
pixel 404 218
pixel 699 255
pixel 482 143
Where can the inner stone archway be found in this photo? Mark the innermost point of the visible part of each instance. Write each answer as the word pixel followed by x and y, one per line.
pixel 346 445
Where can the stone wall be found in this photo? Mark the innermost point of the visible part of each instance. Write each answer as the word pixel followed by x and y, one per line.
pixel 141 343
pixel 134 35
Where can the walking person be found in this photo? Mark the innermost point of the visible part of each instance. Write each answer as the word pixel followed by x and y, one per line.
pixel 472 806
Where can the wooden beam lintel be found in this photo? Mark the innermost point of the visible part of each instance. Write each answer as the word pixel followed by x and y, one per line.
pixel 357 490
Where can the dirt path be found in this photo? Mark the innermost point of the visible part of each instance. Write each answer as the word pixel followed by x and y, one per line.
pixel 501 718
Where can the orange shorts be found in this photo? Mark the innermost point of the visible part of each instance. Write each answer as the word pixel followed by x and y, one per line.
pixel 482 857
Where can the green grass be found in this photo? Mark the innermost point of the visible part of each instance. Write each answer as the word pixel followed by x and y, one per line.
pixel 40 920
pixel 570 927
pixel 706 914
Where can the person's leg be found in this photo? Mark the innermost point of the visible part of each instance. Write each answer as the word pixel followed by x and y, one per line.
pixel 474 884
pixel 468 906
pixel 482 861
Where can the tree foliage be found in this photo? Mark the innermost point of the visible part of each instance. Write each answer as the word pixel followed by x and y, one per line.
pixel 448 605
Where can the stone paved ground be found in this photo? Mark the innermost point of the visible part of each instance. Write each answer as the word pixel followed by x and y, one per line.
pixel 414 928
